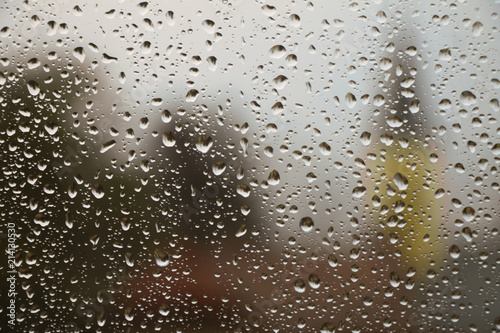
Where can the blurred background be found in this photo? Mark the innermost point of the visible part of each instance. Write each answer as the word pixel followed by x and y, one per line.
pixel 250 166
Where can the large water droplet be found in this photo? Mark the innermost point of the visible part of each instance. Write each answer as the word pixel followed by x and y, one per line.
pixel 33 88
pixel 161 257
pixel 400 181
pixel 273 178
pixel 306 224
pixel 204 143
pixel 277 51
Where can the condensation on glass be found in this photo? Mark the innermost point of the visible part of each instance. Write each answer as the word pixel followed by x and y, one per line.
pixel 250 166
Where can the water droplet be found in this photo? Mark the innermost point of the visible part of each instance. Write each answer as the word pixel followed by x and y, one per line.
pixel 385 64
pixel 129 259
pixel 164 309
pixel 445 54
pixel 378 100
pixel 79 54
pixel 295 20
pixel 332 260
pixel 325 148
pixel 209 26
pixel 204 143
pixel 477 28
pixel 98 191
pixel 218 168
pixel 273 178
pixel 350 100
pixel 33 63
pixel 268 10
pixel 280 82
pixel 33 88
pixel 243 190
pixel 241 231
pixel 166 116
pixel 161 257
pixel 306 224
pixel 359 191
pixel 467 98
pixel 51 128
pixel 366 138
pixel 394 121
pixel 314 281
pixel 299 286
pixel 212 63
pixel 468 214
pixel 277 51
pixel 168 139
pixel 192 95
pixel 400 181
pixel 107 146
pixel 454 251
pixel 439 193
pixel 72 191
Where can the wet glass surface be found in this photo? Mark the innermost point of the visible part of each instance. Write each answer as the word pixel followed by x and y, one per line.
pixel 250 166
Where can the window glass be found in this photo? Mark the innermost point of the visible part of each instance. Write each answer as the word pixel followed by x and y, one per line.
pixel 250 166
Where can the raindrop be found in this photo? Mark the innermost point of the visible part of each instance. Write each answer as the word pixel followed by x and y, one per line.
pixel 477 28
pixel 33 88
pixel 468 214
pixel 79 54
pixel 268 10
pixel 166 117
pixel 209 26
pixel 385 64
pixel 168 139
pixel 107 146
pixel 294 20
pixel 51 128
pixel 273 178
pixel 366 138
pixel 162 258
pixel 277 51
pixel 325 148
pixel 350 100
pixel 299 286
pixel 218 168
pixel 306 224
pixel 280 82
pixel 33 63
pixel 359 191
pixel 314 281
pixel 467 98
pixel 241 231
pixel 98 191
pixel 454 251
pixel 192 95
pixel 394 121
pixel 243 190
pixel 400 181
pixel 204 143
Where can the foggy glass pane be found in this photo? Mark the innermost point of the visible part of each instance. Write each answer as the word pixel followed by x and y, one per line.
pixel 250 166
